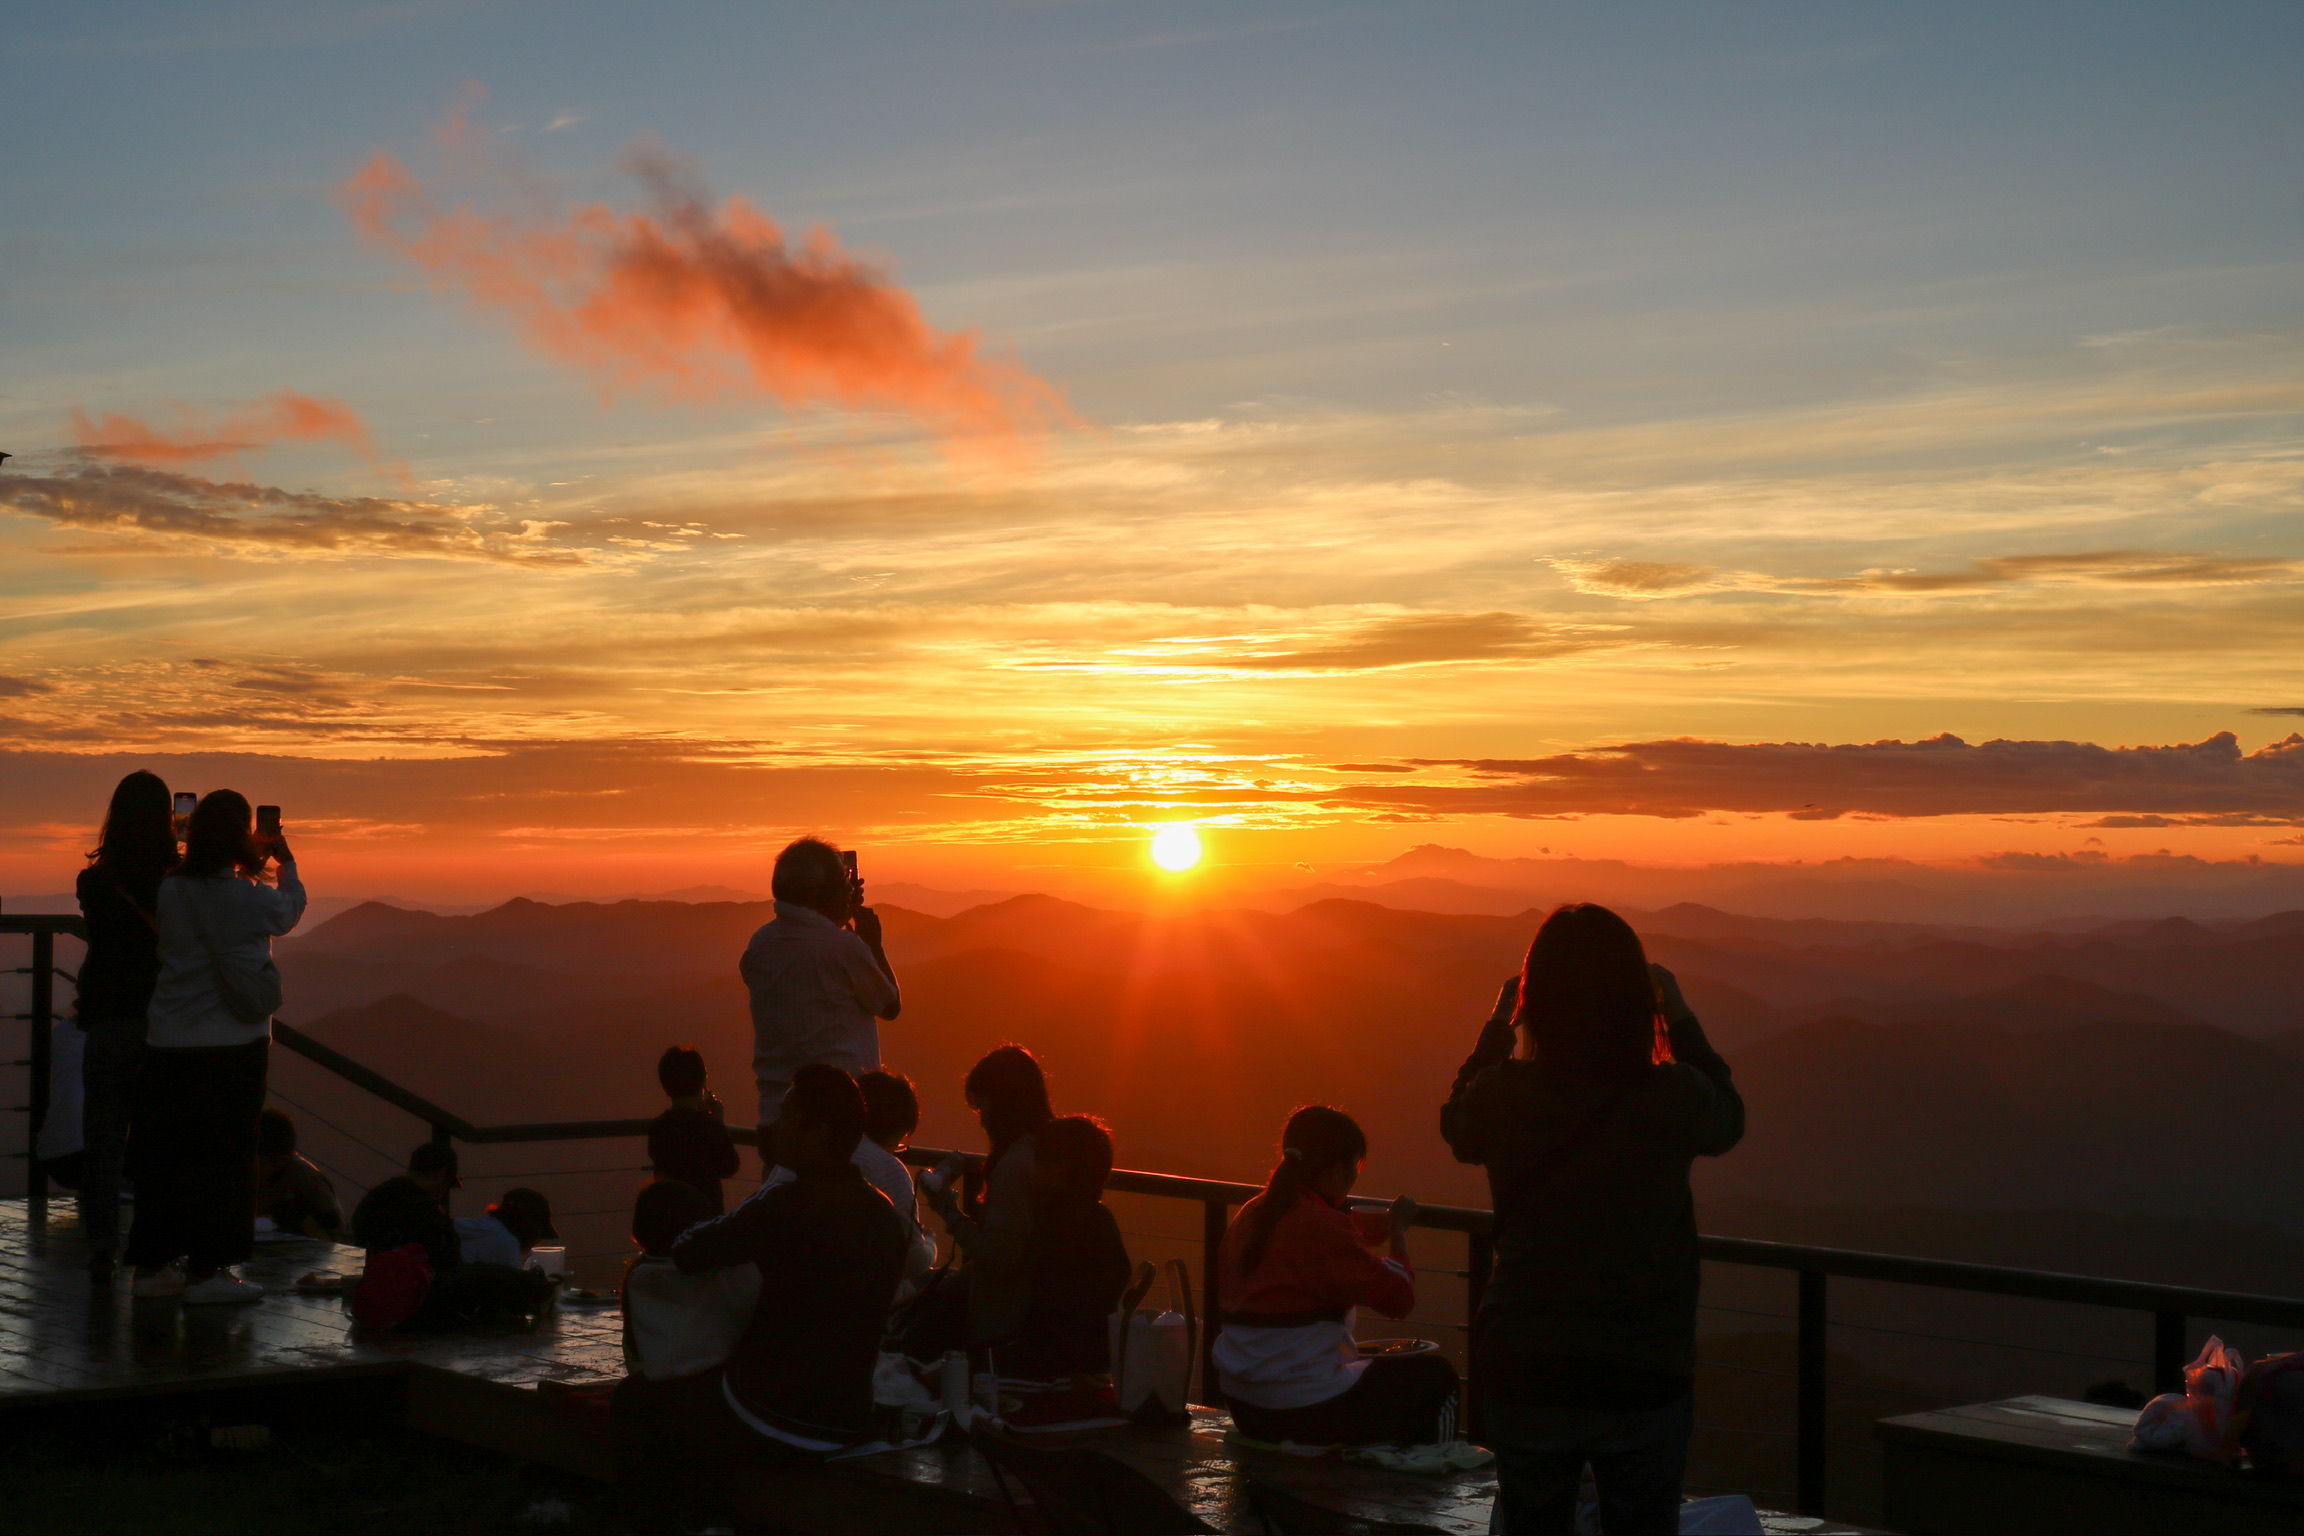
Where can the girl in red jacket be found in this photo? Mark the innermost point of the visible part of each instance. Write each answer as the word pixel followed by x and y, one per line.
pixel 1294 1267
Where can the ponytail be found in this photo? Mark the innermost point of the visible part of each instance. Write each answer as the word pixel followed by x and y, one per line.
pixel 1317 1140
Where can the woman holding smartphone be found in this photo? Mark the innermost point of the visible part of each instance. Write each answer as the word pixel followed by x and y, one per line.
pixel 192 1150
pixel 1587 1098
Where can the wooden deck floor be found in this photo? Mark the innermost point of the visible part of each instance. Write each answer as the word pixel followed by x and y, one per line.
pixel 62 1340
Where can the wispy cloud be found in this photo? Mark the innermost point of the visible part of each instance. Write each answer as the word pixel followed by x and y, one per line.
pixel 284 416
pixel 252 519
pixel 1373 645
pixel 697 301
pixel 1642 580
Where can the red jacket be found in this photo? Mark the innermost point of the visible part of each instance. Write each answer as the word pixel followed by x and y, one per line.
pixel 1320 1257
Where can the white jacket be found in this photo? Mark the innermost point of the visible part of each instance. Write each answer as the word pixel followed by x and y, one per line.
pixel 242 918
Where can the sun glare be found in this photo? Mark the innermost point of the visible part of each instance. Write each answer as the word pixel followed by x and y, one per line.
pixel 1175 848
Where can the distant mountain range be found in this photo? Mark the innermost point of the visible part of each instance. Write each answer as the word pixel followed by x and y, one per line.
pixel 1886 1067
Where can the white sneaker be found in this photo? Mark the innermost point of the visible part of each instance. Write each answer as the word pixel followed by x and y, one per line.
pixel 222 1286
pixel 161 1282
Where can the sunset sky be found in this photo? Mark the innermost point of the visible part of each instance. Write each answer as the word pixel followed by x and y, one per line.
pixel 580 446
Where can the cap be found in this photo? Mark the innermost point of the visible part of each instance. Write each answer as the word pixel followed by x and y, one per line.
pixel 527 1215
pixel 433 1157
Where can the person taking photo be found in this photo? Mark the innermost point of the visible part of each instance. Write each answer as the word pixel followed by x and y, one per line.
pixel 819 979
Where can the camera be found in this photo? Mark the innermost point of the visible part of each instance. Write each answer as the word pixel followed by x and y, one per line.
pixel 855 880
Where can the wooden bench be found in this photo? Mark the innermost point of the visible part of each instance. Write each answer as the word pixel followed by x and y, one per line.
pixel 2033 1464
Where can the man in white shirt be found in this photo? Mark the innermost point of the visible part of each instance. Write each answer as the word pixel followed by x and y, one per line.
pixel 819 978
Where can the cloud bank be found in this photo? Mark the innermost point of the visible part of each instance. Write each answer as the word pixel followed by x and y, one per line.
pixel 1941 776
pixel 698 301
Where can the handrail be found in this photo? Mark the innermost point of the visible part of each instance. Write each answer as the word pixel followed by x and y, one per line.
pixel 446 1122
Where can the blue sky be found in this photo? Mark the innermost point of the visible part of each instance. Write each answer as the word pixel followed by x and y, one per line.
pixel 1533 376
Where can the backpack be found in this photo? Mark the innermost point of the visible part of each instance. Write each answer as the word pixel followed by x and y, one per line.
pixel 397 1282
pixel 2268 1415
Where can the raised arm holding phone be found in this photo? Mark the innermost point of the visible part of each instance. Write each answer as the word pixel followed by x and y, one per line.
pixel 818 975
pixel 193 1142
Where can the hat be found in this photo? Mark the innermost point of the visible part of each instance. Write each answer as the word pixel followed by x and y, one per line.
pixel 435 1157
pixel 527 1215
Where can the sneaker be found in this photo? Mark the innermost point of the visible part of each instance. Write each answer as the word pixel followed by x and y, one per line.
pixel 1283 1447
pixel 1065 1409
pixel 159 1282
pixel 220 1287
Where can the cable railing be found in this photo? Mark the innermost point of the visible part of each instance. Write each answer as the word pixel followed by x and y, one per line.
pixel 2170 1307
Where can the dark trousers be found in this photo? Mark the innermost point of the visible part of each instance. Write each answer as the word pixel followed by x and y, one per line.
pixel 1398 1400
pixel 192 1152
pixel 1637 1456
pixel 108 1087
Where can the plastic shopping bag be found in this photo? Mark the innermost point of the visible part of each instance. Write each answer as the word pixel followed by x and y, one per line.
pixel 2195 1420
pixel 1152 1351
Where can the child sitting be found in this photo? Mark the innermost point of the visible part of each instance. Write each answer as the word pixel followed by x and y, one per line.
pixel 666 1417
pixel 1075 1268
pixel 290 1192
pixel 690 1139
pixel 891 1115
pixel 513 1226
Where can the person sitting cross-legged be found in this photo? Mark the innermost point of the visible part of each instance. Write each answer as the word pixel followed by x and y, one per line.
pixel 1295 1265
pixel 669 1422
pixel 830 1250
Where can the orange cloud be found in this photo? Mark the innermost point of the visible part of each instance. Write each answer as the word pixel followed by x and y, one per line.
pixel 700 302
pixel 283 417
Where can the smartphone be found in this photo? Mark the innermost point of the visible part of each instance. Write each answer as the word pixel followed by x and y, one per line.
pixel 855 880
pixel 267 826
pixel 181 813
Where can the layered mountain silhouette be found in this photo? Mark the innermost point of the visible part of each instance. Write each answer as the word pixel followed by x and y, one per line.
pixel 1888 1066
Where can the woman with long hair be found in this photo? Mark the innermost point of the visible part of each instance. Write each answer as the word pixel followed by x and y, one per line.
pixel 119 895
pixel 1295 1266
pixel 210 1031
pixel 990 1216
pixel 1587 1100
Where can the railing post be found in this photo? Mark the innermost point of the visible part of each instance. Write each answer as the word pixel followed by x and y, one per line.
pixel 1213 1214
pixel 2168 1352
pixel 42 1062
pixel 1810 1480
pixel 1479 1262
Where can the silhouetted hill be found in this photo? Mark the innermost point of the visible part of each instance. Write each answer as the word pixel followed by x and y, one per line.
pixel 1991 1076
pixel 2145 1119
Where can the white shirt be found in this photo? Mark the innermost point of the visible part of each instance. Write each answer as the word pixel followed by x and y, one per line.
pixel 678 1325
pixel 485 1240
pixel 817 995
pixel 242 918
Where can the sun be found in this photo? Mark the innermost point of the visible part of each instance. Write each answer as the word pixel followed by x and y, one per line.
pixel 1175 848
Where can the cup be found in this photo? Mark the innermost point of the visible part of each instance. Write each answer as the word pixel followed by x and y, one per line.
pixel 553 1260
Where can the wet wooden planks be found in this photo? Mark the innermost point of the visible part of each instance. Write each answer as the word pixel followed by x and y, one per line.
pixel 62 1340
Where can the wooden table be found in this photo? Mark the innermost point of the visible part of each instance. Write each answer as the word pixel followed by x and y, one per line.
pixel 2037 1464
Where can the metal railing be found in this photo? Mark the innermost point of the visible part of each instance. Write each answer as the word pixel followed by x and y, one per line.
pixel 2169 1306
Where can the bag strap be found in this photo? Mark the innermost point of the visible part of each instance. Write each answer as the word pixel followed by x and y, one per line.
pixel 150 921
pixel 1180 1279
pixel 215 960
